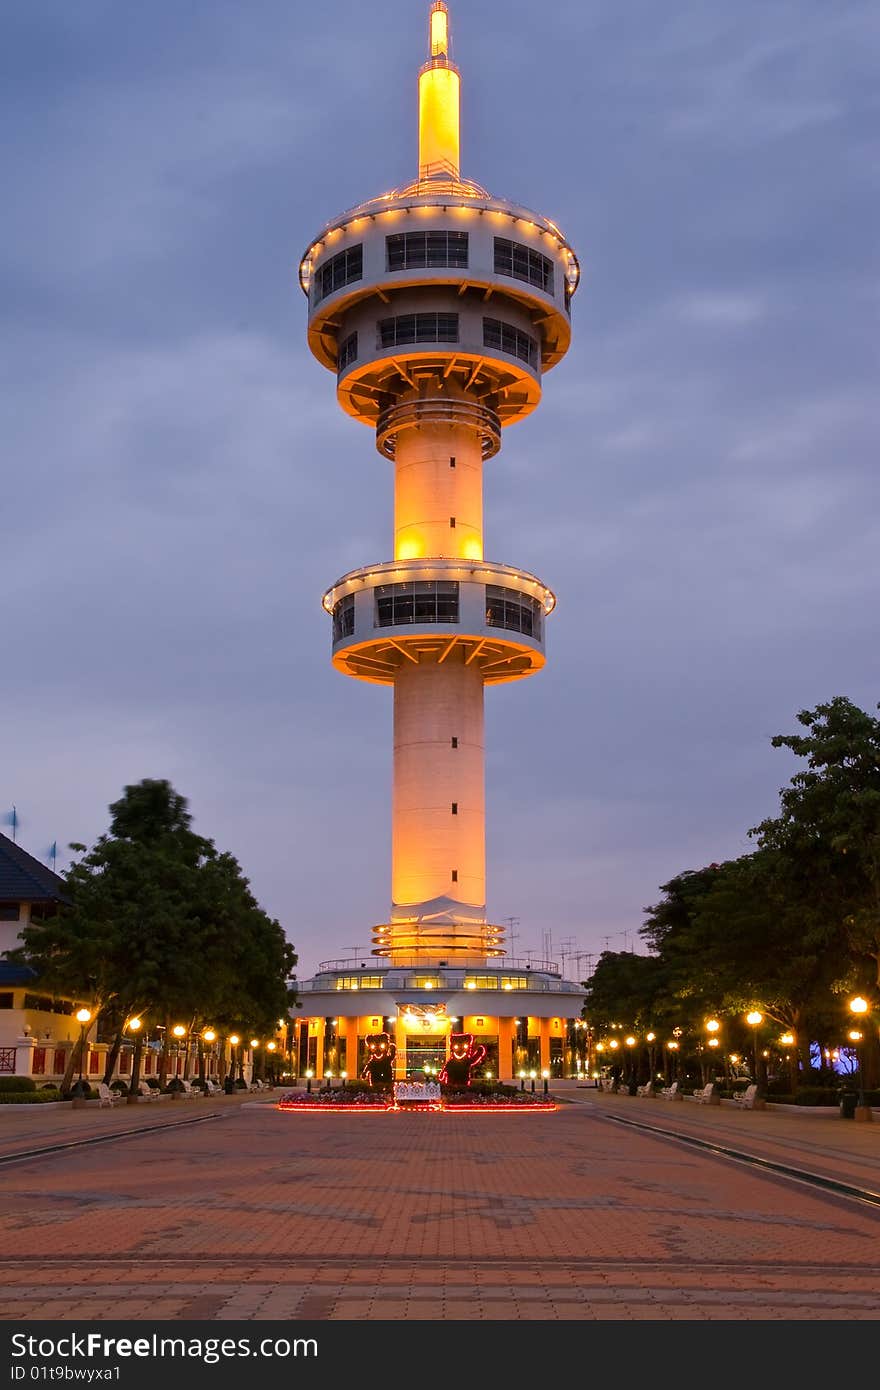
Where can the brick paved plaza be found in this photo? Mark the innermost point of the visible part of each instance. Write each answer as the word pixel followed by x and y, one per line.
pixel 251 1213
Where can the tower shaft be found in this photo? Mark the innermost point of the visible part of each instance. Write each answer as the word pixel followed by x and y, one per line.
pixel 438 492
pixel 438 843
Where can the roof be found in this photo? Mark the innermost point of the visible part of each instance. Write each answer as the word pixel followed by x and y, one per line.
pixel 23 879
pixel 16 974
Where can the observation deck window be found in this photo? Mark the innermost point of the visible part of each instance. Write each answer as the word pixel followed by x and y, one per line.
pixel 343 618
pixel 418 250
pixel 348 351
pixel 418 328
pixel 506 982
pixel 522 263
pixel 508 339
pixel 360 981
pixel 510 609
pixel 421 601
pixel 341 269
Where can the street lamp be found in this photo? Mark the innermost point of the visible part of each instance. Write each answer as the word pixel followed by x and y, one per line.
pixel 546 1077
pixel 177 1032
pixel 859 1007
pixel 309 1075
pixel 630 1043
pixel 754 1019
pixel 533 1074
pixel 83 1018
pixel 234 1040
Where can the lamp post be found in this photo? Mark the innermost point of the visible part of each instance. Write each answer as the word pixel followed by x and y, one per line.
pixel 786 1041
pixel 309 1075
pixel 650 1039
pixel 81 1090
pixel 713 1028
pixel 545 1075
pixel 754 1019
pixel 672 1049
pixel 532 1075
pixel 630 1043
pixel 209 1036
pixel 271 1048
pixel 134 1026
pixel 177 1032
pixel 229 1084
pixel 858 1007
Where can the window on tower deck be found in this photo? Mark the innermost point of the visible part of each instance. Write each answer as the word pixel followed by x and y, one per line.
pixel 506 338
pixel 419 250
pixel 342 269
pixel 510 609
pixel 522 263
pixel 423 601
pixel 348 351
pixel 343 618
pixel 417 328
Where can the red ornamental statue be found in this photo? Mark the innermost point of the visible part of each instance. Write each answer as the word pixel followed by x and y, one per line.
pixel 464 1056
pixel 378 1069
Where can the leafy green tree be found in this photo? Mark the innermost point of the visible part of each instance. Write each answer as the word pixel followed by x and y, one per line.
pixel 830 821
pixel 828 832
pixel 162 924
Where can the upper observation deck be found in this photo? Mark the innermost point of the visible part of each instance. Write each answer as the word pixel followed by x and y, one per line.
pixel 439 281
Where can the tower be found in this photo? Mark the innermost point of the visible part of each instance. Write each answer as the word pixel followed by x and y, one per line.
pixel 439 308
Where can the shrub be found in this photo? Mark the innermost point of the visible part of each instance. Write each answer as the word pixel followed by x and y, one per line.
pixel 818 1095
pixel 17 1083
pixel 28 1097
pixel 120 1086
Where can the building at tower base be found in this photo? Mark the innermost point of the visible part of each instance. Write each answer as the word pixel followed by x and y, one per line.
pixel 439 308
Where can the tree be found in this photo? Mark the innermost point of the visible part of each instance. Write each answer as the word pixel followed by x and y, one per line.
pixel 162 923
pixel 830 820
pixel 829 831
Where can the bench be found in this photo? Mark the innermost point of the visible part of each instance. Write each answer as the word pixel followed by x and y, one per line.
pixel 749 1099
pixel 672 1092
pixel 646 1090
pixel 708 1095
pixel 108 1097
pixel 147 1092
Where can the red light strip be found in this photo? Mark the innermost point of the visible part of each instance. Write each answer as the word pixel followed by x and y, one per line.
pixel 322 1109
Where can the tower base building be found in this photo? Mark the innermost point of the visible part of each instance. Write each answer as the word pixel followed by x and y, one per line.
pixel 439 308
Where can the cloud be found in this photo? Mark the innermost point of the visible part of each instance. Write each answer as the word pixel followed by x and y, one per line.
pixel 722 310
pixel 698 486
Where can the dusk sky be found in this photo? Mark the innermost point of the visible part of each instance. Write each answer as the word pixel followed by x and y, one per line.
pixel 699 485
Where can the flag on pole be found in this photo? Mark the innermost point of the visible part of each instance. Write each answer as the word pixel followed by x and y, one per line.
pixel 11 818
pixel 52 853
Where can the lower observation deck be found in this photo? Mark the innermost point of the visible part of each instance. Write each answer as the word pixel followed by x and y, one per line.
pixel 433 610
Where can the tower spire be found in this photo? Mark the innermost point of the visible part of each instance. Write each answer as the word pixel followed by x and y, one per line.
pixel 439 102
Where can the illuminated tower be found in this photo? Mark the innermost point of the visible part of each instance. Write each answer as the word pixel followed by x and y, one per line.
pixel 439 308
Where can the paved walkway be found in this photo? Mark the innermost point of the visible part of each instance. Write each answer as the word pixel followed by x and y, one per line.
pixel 820 1143
pixel 260 1215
